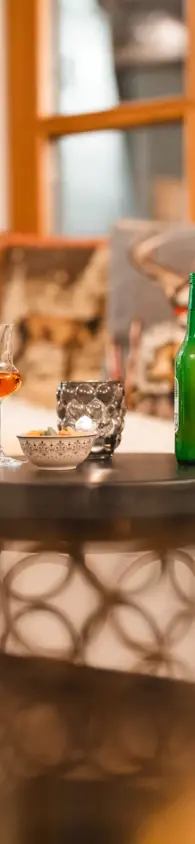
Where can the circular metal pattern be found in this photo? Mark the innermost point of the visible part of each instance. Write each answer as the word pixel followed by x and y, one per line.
pixel 55 722
pixel 147 609
pixel 31 561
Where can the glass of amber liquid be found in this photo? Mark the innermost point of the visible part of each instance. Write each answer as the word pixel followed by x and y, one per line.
pixel 10 380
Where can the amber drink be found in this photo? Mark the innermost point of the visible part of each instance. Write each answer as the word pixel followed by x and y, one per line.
pixel 10 380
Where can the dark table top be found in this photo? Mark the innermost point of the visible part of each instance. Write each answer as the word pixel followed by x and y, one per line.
pixel 130 486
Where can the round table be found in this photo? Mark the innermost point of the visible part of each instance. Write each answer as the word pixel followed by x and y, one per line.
pixel 97 656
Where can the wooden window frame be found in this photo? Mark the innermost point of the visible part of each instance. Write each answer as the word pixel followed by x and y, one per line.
pixel 31 131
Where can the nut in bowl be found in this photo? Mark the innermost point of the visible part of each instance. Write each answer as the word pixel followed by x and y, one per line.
pixel 50 450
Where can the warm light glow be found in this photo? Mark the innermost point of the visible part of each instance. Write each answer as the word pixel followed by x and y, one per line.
pixel 162 34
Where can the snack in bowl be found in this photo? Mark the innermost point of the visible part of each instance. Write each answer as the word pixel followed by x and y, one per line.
pixel 48 449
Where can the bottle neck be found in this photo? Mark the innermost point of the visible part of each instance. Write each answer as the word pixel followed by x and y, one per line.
pixel 190 331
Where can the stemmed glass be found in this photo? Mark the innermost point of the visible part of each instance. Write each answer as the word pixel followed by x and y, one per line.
pixel 10 380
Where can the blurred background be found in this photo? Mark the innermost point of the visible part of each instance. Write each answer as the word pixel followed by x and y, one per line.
pixel 95 113
pixel 97 140
pixel 108 53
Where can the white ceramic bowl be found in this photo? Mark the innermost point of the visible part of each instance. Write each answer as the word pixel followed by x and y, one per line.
pixel 57 452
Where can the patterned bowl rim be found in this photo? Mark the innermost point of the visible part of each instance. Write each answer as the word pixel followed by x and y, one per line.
pixel 59 436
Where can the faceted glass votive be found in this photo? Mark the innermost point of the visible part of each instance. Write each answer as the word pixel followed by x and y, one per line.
pixel 103 402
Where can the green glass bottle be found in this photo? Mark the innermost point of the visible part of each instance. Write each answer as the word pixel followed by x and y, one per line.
pixel 185 388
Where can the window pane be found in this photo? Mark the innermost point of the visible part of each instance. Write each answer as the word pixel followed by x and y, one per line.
pixel 103 176
pixel 107 51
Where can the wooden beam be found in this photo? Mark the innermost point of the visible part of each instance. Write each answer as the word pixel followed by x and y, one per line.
pixel 189 145
pixel 23 150
pixel 124 116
